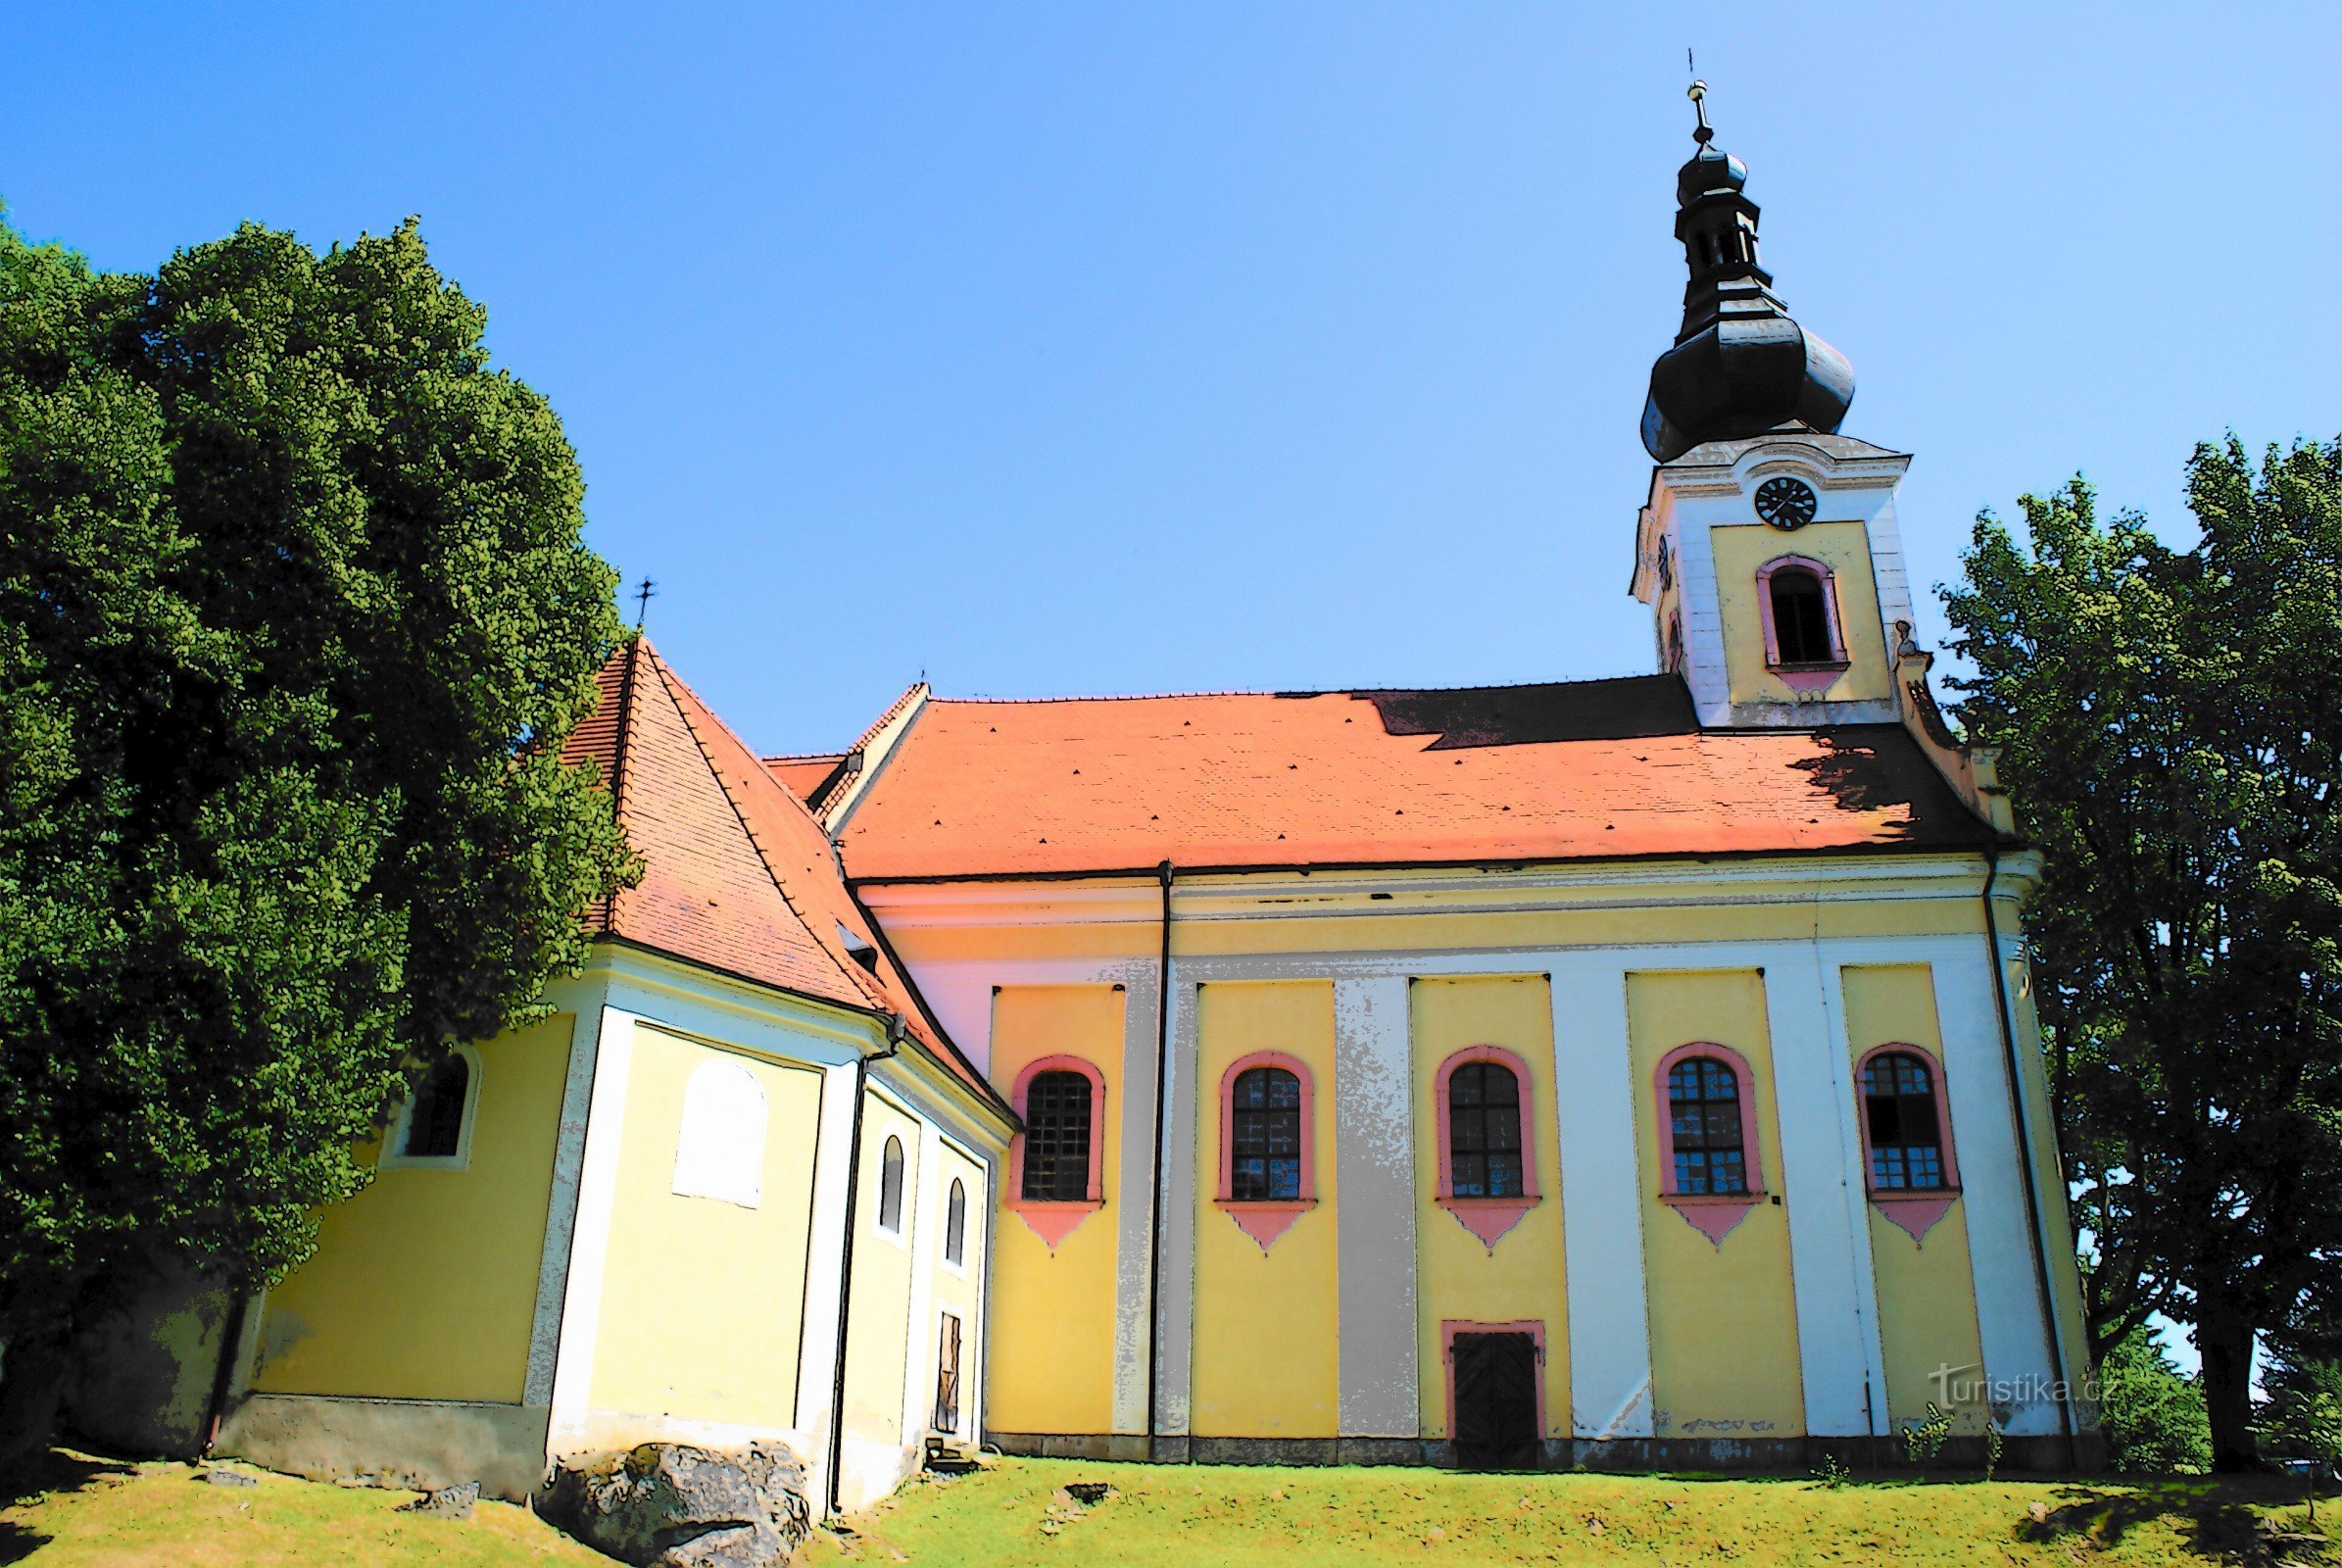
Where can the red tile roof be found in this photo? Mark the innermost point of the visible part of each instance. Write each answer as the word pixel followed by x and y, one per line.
pixel 1589 769
pixel 737 875
pixel 806 777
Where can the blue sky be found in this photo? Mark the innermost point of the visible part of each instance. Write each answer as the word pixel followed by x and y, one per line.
pixel 1051 348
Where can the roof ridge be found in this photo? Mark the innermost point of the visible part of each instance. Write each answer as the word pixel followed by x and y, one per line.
pixel 1289 692
pixel 846 969
pixel 885 719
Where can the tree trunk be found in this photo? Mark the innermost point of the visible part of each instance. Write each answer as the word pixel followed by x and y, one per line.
pixel 2224 1338
pixel 31 1386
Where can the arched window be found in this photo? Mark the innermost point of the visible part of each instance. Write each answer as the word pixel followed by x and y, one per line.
pixel 955 1225
pixel 1804 645
pixel 435 1119
pixel 1484 1131
pixel 1703 1109
pixel 1057 1116
pixel 1904 1123
pixel 889 1187
pixel 1265 1136
pixel 1800 618
pixel 719 1148
pixel 433 1128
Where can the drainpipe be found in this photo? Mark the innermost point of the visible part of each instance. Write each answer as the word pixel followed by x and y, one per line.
pixel 1164 874
pixel 2025 1156
pixel 896 1030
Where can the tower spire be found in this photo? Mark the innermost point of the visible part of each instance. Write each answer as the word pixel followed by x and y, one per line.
pixel 1741 366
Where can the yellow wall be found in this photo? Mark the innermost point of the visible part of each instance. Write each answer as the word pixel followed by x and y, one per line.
pixel 1722 1318
pixel 958 1289
pixel 878 1334
pixel 1446 919
pixel 425 1285
pixel 1052 1338
pixel 1457 1276
pixel 1927 1294
pixel 1844 547
pixel 702 1301
pixel 1266 1356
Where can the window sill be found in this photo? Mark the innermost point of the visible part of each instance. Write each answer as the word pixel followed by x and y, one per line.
pixel 1265 1219
pixel 1489 1218
pixel 1052 1219
pixel 1819 677
pixel 1713 1214
pixel 1914 1210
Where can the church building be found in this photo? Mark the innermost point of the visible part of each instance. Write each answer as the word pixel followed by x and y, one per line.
pixel 1638 1072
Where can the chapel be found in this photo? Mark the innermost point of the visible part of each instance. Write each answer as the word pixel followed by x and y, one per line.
pixel 1636 1072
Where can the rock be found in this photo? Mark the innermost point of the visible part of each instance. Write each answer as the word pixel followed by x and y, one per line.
pixel 682 1506
pixel 1088 1494
pixel 229 1478
pixel 448 1502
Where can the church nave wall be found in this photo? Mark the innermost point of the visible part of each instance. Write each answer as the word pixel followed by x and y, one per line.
pixel 1487 1260
pixel 1266 1337
pixel 1722 1299
pixel 1054 1306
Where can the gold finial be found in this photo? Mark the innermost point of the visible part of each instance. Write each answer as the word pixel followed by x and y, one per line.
pixel 1698 94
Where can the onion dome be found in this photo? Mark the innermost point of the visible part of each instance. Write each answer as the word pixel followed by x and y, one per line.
pixel 1741 366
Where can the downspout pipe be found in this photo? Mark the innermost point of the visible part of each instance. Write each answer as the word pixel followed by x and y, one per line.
pixel 2025 1160
pixel 897 1029
pixel 1165 874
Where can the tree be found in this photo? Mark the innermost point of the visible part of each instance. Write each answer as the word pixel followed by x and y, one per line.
pixel 2152 1415
pixel 294 613
pixel 2171 726
pixel 2303 1416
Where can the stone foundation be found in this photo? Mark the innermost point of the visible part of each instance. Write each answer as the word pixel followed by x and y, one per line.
pixel 2037 1456
pixel 425 1445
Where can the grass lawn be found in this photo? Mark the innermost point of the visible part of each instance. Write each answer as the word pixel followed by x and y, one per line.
pixel 85 1512
pixel 1016 1512
pixel 92 1512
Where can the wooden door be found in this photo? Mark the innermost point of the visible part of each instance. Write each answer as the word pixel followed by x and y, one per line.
pixel 1496 1417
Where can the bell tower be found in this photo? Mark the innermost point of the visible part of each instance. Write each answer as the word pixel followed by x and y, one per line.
pixel 1768 549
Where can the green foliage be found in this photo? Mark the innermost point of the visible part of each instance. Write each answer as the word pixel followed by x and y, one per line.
pixel 293 615
pixel 1832 1473
pixel 2171 727
pixel 1994 1443
pixel 2153 1417
pixel 2303 1418
pixel 1924 1438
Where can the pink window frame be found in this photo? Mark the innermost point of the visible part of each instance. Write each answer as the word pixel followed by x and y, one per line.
pixel 1712 1214
pixel 1450 1326
pixel 1914 1210
pixel 1052 1219
pixel 1487 1218
pixel 1809 677
pixel 1265 1219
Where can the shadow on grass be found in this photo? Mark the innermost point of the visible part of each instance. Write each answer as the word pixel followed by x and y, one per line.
pixel 53 1472
pixel 2215 1521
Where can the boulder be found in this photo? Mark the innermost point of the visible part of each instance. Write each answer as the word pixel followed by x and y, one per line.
pixel 448 1502
pixel 682 1506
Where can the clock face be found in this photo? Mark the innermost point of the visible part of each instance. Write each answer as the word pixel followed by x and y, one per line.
pixel 1786 503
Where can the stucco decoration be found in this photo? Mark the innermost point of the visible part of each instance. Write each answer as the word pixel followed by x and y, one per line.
pixel 1052 1219
pixel 1266 1219
pixel 1913 1211
pixel 719 1150
pixel 1487 1219
pixel 1712 1214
